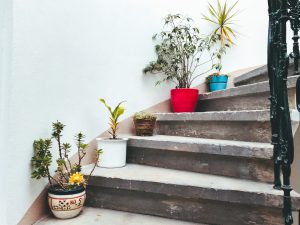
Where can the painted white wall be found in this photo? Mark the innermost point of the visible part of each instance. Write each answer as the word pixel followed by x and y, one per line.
pixel 66 54
pixel 5 72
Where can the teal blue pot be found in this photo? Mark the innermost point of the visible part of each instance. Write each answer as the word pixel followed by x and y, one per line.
pixel 218 83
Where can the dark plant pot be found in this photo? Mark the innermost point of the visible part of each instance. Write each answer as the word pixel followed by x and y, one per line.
pixel 144 127
pixel 218 83
pixel 66 204
pixel 184 99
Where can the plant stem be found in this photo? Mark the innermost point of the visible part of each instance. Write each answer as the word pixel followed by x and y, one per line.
pixel 60 154
pixel 49 176
pixel 94 167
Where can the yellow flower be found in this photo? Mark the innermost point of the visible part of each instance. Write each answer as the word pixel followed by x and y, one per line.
pixel 76 178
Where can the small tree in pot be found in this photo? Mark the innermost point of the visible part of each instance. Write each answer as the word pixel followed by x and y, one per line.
pixel 180 54
pixel 114 148
pixel 66 191
pixel 221 17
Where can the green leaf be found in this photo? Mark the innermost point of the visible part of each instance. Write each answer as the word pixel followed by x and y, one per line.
pixel 108 107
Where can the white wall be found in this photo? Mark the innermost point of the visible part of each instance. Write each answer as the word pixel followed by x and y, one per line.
pixel 68 53
pixel 5 72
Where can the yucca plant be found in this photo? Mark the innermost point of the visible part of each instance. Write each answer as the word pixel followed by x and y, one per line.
pixel 114 117
pixel 222 17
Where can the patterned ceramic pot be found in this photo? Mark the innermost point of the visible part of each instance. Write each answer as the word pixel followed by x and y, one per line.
pixel 66 204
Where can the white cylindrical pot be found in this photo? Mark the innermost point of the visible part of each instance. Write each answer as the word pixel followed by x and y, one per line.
pixel 114 152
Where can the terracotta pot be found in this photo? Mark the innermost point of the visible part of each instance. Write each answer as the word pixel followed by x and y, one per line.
pixel 184 99
pixel 66 204
pixel 144 127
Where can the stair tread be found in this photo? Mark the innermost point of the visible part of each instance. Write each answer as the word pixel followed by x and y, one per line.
pixel 249 89
pixel 203 145
pixel 196 185
pixel 251 74
pixel 260 71
pixel 243 115
pixel 95 216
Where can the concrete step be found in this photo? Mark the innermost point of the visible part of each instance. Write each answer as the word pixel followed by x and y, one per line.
pixel 247 97
pixel 186 196
pixel 250 125
pixel 258 75
pixel 96 216
pixel 246 160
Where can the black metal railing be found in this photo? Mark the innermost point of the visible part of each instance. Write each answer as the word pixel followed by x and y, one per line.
pixel 280 12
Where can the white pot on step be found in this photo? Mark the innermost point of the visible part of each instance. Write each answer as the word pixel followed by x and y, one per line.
pixel 114 152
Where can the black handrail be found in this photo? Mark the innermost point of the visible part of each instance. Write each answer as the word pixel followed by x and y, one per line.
pixel 280 12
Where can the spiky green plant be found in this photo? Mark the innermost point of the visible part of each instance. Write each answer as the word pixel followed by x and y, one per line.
pixel 222 16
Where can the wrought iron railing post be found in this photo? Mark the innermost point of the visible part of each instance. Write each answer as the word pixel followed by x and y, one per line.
pixel 280 11
pixel 294 20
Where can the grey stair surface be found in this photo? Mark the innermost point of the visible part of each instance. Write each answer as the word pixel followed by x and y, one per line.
pixel 252 96
pixel 187 196
pixel 246 160
pixel 213 166
pixel 258 75
pixel 250 125
pixel 96 216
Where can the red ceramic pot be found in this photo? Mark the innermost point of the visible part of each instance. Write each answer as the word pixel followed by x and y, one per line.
pixel 184 99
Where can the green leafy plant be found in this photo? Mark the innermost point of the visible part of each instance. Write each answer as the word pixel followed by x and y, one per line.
pixel 114 117
pixel 68 176
pixel 222 17
pixel 180 51
pixel 144 116
pixel 209 77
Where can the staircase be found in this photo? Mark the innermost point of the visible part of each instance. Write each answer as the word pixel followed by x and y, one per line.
pixel 210 167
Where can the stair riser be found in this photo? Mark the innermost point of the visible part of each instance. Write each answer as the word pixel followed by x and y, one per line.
pixel 239 167
pixel 193 210
pixel 257 101
pixel 261 77
pixel 252 131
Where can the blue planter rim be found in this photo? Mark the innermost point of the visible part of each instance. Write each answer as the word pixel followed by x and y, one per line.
pixel 219 79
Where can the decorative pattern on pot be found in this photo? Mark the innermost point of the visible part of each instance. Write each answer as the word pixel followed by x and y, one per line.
pixel 66 206
pixel 66 190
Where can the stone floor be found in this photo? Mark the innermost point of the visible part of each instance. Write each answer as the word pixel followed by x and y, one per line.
pixel 94 216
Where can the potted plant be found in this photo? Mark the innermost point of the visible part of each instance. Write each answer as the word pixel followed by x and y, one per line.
pixel 144 123
pixel 222 17
pixel 66 190
pixel 217 81
pixel 114 148
pixel 180 53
